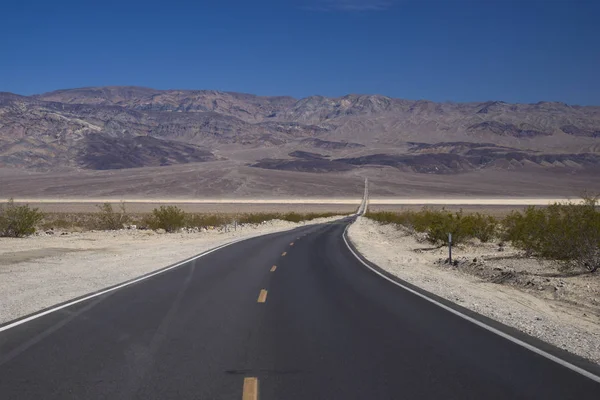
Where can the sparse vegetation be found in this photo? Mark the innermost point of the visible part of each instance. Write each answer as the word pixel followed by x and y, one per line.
pixel 169 218
pixel 109 219
pixel 257 218
pixel 18 220
pixel 568 232
pixel 207 220
pixel 438 223
pixel 480 226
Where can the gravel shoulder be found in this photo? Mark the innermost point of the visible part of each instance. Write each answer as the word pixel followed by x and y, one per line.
pixel 39 271
pixel 525 293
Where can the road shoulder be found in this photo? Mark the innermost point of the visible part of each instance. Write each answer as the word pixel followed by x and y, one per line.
pixel 562 326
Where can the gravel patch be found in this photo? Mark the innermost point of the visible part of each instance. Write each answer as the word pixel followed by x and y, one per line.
pixel 555 314
pixel 39 271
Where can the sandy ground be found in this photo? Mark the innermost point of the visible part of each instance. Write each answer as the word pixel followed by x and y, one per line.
pixel 528 294
pixel 40 271
pixel 232 179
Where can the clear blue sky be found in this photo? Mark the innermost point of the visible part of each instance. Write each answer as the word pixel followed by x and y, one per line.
pixel 441 50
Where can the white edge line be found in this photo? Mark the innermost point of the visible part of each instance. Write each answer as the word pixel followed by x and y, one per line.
pixel 141 278
pixel 498 332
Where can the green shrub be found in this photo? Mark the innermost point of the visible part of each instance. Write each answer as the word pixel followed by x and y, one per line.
pixel 206 220
pixel 108 219
pixel 406 218
pixel 293 217
pixel 525 230
pixel 257 218
pixel 18 221
pixel 482 227
pixel 438 223
pixel 311 216
pixel 567 232
pixel 169 218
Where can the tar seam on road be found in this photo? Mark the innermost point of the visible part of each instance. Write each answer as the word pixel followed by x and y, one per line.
pixel 273 268
pixel 250 391
pixel 100 293
pixel 283 254
pixel 498 332
pixel 262 297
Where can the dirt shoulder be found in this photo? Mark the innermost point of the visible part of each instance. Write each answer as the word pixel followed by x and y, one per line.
pixel 528 294
pixel 40 271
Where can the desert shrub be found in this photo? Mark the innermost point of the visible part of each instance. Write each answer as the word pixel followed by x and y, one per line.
pixel 405 218
pixel 567 232
pixel 438 223
pixel 169 218
pixel 482 227
pixel 18 221
pixel 312 215
pixel 257 218
pixel 109 219
pixel 206 220
pixel 293 217
pixel 525 230
pixel 57 223
pixel 83 221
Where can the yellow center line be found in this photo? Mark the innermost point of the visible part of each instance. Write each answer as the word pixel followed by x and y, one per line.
pixel 273 268
pixel 283 254
pixel 250 391
pixel 262 297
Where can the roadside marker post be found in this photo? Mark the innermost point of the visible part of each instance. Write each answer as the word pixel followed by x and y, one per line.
pixel 450 248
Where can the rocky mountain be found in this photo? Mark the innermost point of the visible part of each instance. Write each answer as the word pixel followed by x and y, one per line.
pixel 246 107
pixel 132 127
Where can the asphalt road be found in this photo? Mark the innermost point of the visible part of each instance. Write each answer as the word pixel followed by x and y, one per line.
pixel 318 325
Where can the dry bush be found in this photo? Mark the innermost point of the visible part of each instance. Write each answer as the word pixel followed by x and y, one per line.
pixel 405 218
pixel 169 218
pixel 299 217
pixel 568 232
pixel 111 220
pixel 482 227
pixel 313 215
pixel 18 221
pixel 206 220
pixel 257 218
pixel 437 224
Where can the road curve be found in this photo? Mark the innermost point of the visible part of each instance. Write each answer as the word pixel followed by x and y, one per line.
pixel 290 315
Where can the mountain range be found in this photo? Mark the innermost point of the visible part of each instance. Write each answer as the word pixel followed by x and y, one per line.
pixel 115 128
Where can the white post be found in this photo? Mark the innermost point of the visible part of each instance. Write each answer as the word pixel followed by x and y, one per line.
pixel 450 248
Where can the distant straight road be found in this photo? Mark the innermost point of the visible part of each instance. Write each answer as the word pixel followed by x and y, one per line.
pixel 291 315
